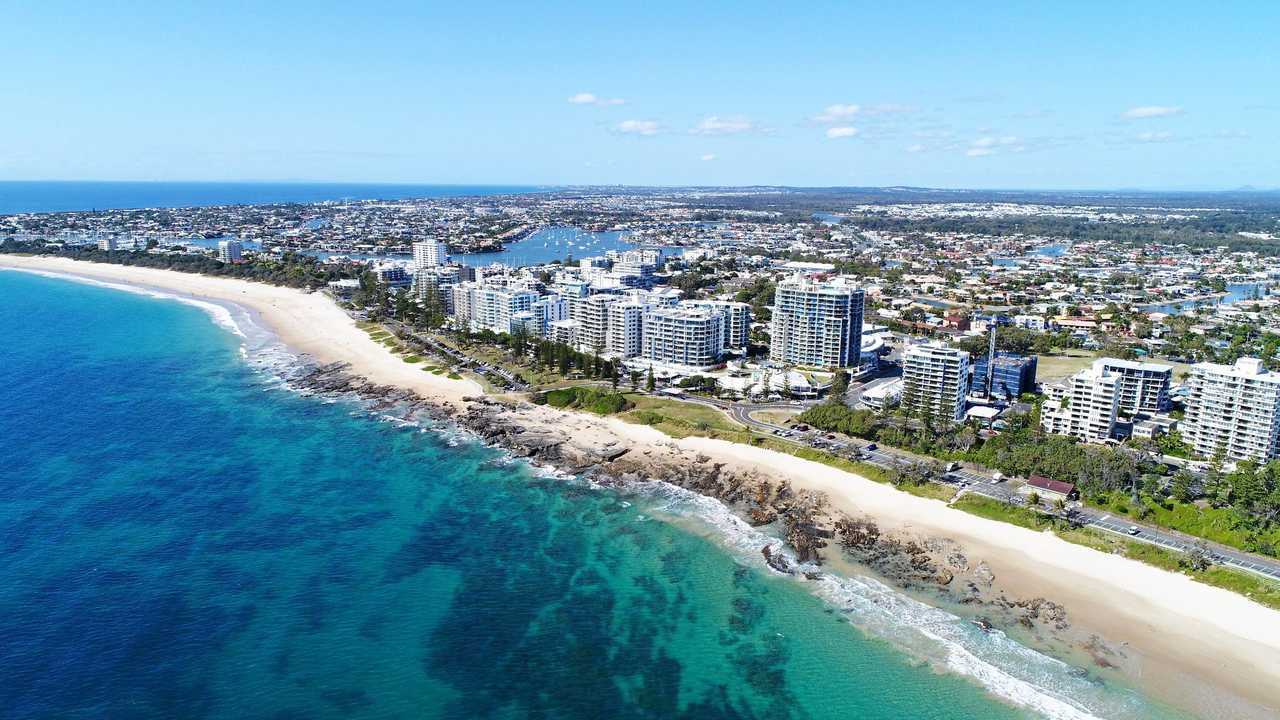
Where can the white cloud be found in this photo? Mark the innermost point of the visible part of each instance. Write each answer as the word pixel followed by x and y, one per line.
pixel 593 99
pixel 637 127
pixel 1152 137
pixel 716 125
pixel 916 148
pixel 1150 111
pixel 887 108
pixel 837 113
pixel 841 132
pixel 842 113
pixel 989 145
pixel 708 157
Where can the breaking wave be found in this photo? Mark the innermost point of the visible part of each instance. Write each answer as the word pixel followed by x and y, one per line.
pixel 1003 666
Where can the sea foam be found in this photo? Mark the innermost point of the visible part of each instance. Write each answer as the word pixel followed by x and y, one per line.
pixel 1005 667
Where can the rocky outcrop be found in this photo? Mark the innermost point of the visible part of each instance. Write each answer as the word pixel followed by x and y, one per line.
pixel 803 518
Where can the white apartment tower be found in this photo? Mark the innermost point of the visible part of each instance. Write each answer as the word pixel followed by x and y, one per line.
pixel 682 339
pixel 429 253
pixel 592 314
pixel 816 324
pixel 230 251
pixel 934 378
pixel 479 307
pixel 1144 387
pixel 737 320
pixel 1084 405
pixel 626 327
pixel 1234 409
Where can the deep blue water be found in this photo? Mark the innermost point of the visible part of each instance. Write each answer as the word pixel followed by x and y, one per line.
pixel 554 243
pixel 34 196
pixel 183 536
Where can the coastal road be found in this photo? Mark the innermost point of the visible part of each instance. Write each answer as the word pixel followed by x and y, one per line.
pixel 981 483
pixel 965 479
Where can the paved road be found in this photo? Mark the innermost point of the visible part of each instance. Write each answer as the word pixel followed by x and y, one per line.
pixel 968 480
pixel 980 483
pixel 497 375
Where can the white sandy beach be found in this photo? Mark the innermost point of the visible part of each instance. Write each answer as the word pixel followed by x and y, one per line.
pixel 1181 628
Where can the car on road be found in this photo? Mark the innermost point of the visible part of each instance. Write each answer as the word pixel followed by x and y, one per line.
pixel 1134 529
pixel 871 447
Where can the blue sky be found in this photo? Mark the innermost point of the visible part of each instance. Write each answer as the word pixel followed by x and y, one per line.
pixel 1033 95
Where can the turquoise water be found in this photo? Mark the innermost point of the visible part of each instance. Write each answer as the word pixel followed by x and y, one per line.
pixel 181 535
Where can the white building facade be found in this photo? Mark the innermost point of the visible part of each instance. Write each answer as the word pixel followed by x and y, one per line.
pixel 816 324
pixel 229 251
pixel 682 340
pixel 1084 405
pixel 429 253
pixel 934 378
pixel 1233 409
pixel 1144 387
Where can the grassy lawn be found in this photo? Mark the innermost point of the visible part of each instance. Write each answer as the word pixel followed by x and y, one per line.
pixel 995 510
pixel 1062 363
pixel 1067 362
pixel 1259 589
pixel 1219 525
pixel 683 417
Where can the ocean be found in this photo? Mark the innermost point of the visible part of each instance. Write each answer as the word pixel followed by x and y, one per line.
pixel 48 196
pixel 184 535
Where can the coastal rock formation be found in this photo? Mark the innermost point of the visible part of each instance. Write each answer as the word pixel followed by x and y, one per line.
pixel 804 519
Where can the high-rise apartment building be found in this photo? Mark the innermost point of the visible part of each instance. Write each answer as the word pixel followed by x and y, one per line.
pixel 934 379
pixel 429 253
pixel 230 251
pixel 737 320
pixel 1233 409
pixel 816 324
pixel 1084 405
pixel 683 339
pixel 1144 387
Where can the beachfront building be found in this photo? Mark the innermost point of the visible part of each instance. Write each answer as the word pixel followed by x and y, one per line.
pixel 592 314
pixel 564 332
pixel 934 379
pixel 1011 375
pixel 737 320
pixel 682 340
pixel 1233 409
pixel 480 306
pixel 626 327
pixel 229 251
pixel 546 310
pixel 1084 405
pixel 816 324
pixel 435 285
pixel 1144 387
pixel 395 277
pixel 429 253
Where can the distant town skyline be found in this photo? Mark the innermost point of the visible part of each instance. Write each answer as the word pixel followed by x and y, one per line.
pixel 1167 96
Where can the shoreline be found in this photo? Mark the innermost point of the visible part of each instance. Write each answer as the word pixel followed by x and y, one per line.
pixel 1181 629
